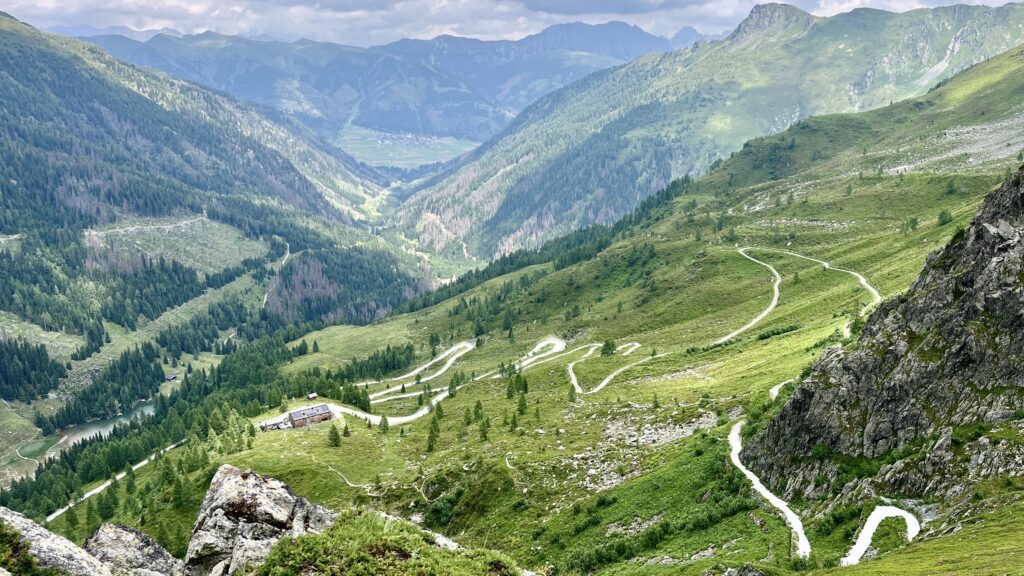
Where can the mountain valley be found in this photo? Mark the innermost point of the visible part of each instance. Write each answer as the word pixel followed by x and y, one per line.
pixel 745 307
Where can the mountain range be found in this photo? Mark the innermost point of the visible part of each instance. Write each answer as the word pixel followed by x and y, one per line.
pixel 147 131
pixel 449 86
pixel 749 307
pixel 592 151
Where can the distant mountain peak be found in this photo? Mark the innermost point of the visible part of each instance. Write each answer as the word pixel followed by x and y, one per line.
pixel 614 39
pixel 87 31
pixel 773 20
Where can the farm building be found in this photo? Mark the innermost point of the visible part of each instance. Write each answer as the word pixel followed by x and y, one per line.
pixel 310 415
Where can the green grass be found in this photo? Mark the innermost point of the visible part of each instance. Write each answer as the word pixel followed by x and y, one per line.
pixel 558 489
pixel 60 345
pixel 990 543
pixel 691 293
pixel 366 543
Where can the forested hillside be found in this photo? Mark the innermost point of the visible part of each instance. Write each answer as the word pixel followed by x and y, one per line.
pixel 593 150
pixel 210 296
pixel 133 204
pixel 124 134
pixel 341 286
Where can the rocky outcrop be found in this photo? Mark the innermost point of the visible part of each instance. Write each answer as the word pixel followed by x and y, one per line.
pixel 51 550
pixel 128 552
pixel 242 517
pixel 772 21
pixel 948 353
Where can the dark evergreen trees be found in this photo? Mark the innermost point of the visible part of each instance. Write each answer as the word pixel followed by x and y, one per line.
pixel 26 370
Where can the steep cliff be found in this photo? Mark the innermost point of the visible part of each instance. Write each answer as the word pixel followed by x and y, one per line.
pixel 946 356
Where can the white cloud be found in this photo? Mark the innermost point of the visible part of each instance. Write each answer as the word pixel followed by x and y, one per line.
pixel 368 22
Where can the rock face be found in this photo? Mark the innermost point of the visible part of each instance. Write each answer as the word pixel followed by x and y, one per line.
pixel 51 550
pixel 128 552
pixel 949 353
pixel 242 517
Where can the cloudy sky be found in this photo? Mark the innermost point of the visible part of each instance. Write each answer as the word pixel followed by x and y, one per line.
pixel 369 22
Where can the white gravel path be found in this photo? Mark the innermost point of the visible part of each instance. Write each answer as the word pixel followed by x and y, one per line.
pixel 867 533
pixel 572 365
pixel 774 391
pixel 766 311
pixel 803 546
pixel 627 348
pixel 452 354
pixel 610 377
pixel 545 351
pixel 876 298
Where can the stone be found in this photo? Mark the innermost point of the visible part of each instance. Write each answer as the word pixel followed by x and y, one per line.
pixel 52 550
pixel 242 516
pixel 128 552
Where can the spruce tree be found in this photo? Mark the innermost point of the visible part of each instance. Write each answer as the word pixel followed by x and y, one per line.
pixel 92 519
pixel 72 519
pixel 333 437
pixel 345 432
pixel 521 406
pixel 384 426
pixel 608 348
pixel 431 439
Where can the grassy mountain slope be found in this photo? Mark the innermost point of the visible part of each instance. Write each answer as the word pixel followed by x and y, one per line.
pixel 131 203
pixel 67 100
pixel 635 479
pixel 593 150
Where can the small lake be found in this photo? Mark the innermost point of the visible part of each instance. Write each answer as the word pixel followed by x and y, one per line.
pixel 75 434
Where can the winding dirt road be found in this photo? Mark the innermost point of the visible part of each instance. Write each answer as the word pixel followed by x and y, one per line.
pixel 803 546
pixel 876 298
pixel 287 255
pixel 452 354
pixel 867 533
pixel 766 311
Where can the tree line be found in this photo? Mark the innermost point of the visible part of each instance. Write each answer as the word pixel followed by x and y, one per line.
pixel 27 371
pixel 134 376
